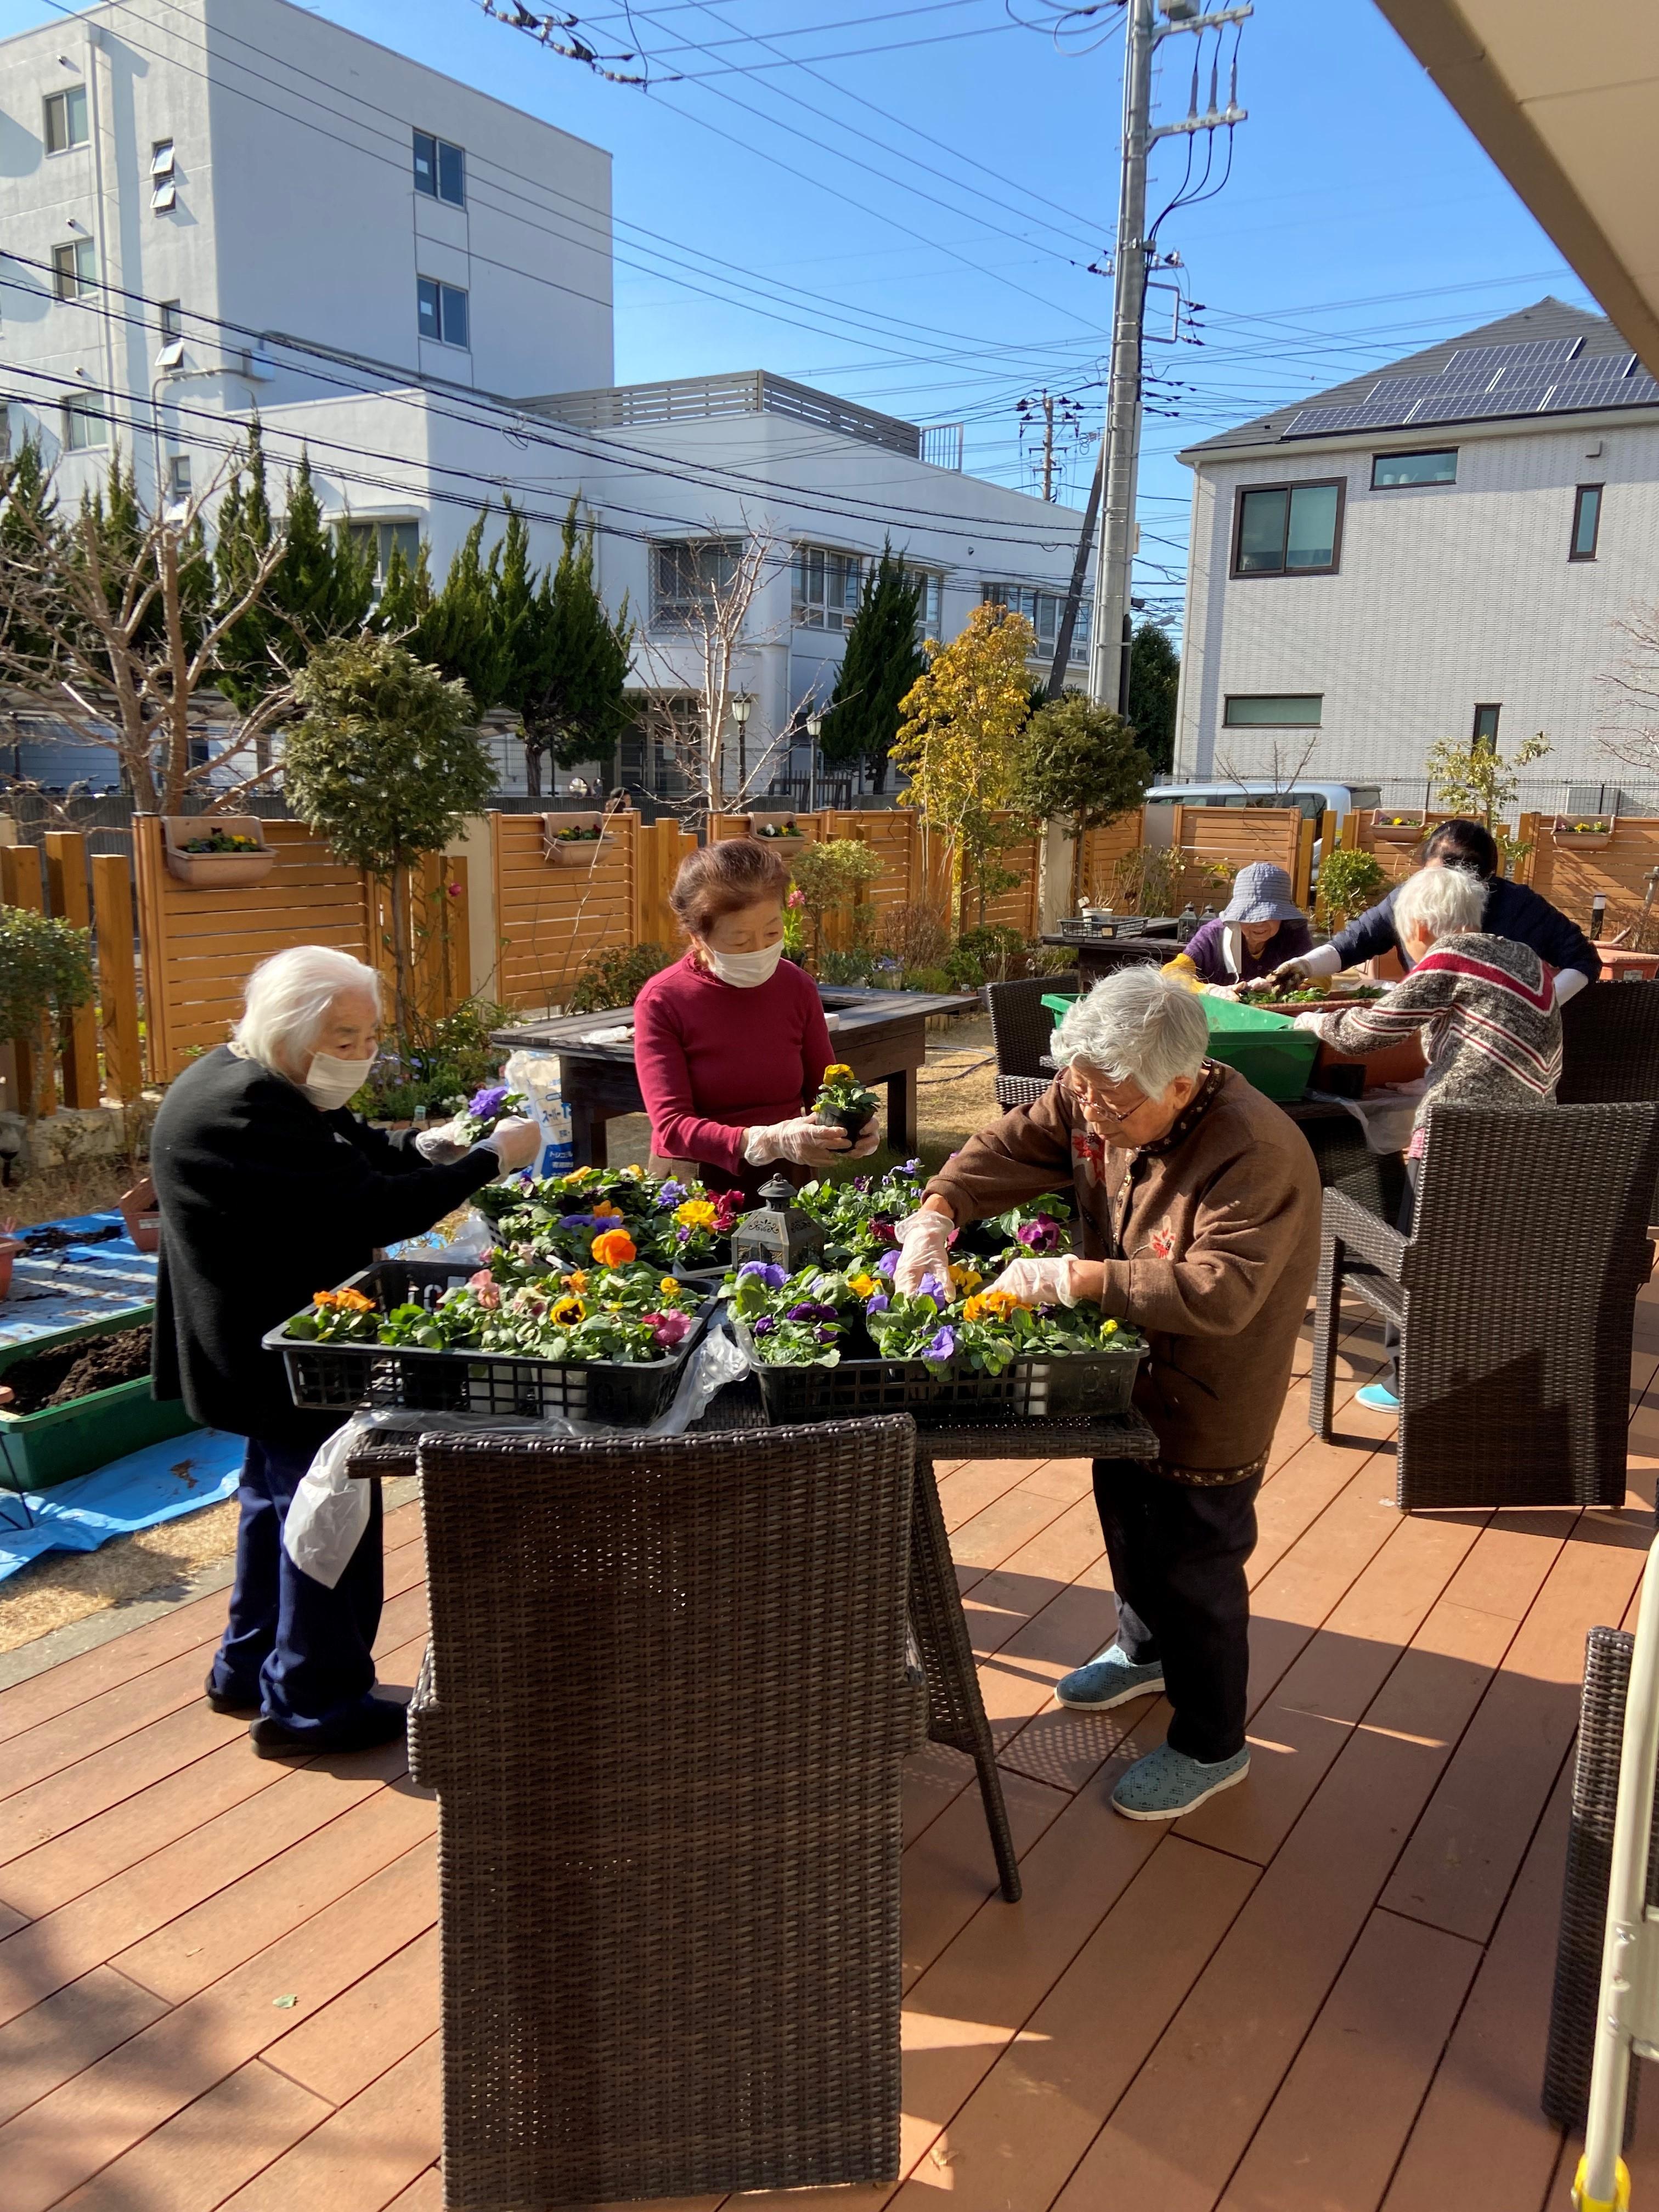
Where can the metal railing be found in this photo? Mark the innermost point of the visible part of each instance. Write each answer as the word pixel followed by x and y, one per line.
pixel 703 398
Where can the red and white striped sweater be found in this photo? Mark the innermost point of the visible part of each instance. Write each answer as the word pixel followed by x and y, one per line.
pixel 1493 1031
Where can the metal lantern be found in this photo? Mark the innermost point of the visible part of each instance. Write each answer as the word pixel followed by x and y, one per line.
pixel 777 1232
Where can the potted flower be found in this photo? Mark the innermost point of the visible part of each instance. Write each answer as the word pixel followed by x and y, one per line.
pixel 1584 833
pixel 1391 828
pixel 217 851
pixel 843 1102
pixel 775 825
pixel 475 1119
pixel 574 840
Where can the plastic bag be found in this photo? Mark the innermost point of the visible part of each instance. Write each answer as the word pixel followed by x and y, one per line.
pixel 325 1522
pixel 535 1074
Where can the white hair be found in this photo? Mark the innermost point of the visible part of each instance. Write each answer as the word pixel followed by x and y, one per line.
pixel 1440 901
pixel 288 997
pixel 1137 1025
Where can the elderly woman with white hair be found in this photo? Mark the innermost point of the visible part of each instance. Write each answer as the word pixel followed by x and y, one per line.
pixel 270 1189
pixel 1488 1009
pixel 1199 1208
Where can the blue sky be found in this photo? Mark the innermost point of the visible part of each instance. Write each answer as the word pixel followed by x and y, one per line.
pixel 915 194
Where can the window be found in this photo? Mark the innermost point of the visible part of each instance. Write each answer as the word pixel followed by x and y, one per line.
pixel 74 268
pixel 1273 710
pixel 1586 522
pixel 930 601
pixel 162 159
pixel 440 169
pixel 442 309
pixel 826 589
pixel 5 431
pixel 1485 734
pixel 1289 529
pixel 83 424
pixel 163 178
pixel 686 573
pixel 66 120
pixel 179 475
pixel 1044 611
pixel 1390 471
pixel 172 315
pixel 384 538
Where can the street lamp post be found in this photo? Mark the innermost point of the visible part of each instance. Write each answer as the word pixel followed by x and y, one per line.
pixel 814 724
pixel 741 707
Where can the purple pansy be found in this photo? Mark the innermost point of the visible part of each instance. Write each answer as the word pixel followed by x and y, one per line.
pixel 763 1327
pixel 879 1303
pixel 828 1335
pixel 931 1287
pixel 488 1103
pixel 764 1271
pixel 577 1220
pixel 810 1309
pixel 912 1167
pixel 1040 1235
pixel 671 1194
pixel 887 1264
pixel 943 1346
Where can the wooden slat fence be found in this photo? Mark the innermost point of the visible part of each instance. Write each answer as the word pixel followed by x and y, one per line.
pixel 552 915
pixel 1232 837
pixel 97 1056
pixel 1103 849
pixel 658 849
pixel 1569 870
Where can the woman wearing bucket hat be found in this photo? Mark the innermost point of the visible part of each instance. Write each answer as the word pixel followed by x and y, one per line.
pixel 1260 926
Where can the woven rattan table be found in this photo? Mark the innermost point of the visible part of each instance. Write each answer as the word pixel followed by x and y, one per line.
pixel 955 1710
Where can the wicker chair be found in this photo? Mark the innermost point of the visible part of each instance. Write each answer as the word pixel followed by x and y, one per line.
pixel 1515 1294
pixel 664 1707
pixel 1610 1045
pixel 1021 1027
pixel 1577 1997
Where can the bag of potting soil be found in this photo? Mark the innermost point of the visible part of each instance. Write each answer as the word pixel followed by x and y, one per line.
pixel 536 1075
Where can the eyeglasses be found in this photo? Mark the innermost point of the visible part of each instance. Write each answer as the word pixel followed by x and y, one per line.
pixel 1121 1103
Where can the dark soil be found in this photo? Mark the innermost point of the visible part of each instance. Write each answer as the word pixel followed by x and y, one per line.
pixel 58 1240
pixel 75 1370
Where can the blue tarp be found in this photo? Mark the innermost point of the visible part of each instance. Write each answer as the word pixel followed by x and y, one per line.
pixel 181 1475
pixel 76 1282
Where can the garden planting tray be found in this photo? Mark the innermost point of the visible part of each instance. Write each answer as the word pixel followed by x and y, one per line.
pixel 1079 1385
pixel 61 1442
pixel 341 1376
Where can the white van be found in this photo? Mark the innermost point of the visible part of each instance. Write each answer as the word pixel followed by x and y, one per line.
pixel 1313 798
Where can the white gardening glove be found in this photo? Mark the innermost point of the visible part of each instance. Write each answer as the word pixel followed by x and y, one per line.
pixel 1323 960
pixel 516 1142
pixel 1039 1282
pixel 442 1146
pixel 925 1241
pixel 804 1142
pixel 869 1139
pixel 1569 983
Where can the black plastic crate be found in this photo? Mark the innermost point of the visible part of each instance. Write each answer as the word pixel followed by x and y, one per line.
pixel 340 1377
pixel 1078 1386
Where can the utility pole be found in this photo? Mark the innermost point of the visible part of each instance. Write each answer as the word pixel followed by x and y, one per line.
pixel 1108 643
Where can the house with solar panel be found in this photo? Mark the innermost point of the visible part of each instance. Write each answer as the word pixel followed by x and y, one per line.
pixel 1444 548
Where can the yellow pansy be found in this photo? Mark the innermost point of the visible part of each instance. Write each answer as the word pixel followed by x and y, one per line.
pixel 836 1068
pixel 992 1305
pixel 865 1286
pixel 567 1309
pixel 966 1279
pixel 669 1289
pixel 696 1213
pixel 1108 1328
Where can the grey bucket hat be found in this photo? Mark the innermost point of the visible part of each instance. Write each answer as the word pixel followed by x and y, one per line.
pixel 1262 892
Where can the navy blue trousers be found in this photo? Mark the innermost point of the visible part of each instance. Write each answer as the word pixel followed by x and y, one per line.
pixel 303 1653
pixel 1178 1553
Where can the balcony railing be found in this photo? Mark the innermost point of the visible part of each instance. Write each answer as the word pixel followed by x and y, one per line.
pixel 702 398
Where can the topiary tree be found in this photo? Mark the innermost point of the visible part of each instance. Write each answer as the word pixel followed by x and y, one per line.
pixel 46 972
pixel 386 764
pixel 829 875
pixel 882 662
pixel 1078 763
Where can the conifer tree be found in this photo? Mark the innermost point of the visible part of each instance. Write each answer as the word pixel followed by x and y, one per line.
pixel 882 662
pixel 569 660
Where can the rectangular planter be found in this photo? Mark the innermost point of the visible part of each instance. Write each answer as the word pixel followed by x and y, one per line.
pixel 40 1449
pixel 203 872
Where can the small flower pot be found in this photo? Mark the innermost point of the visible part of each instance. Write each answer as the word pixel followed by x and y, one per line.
pixel 1410 832
pixel 139 1211
pixel 771 827
pixel 1567 837
pixel 575 851
pixel 9 1248
pixel 855 1120
pixel 203 871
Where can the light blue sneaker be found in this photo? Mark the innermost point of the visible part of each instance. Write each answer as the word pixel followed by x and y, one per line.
pixel 1166 1784
pixel 1110 1679
pixel 1376 1398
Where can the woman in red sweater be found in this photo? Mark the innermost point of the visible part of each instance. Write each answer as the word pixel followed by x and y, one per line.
pixel 730 1042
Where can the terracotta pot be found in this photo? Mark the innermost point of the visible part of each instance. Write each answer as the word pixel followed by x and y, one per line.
pixel 215 870
pixel 138 1210
pixel 9 1248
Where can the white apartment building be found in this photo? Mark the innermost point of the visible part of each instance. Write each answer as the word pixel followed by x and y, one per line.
pixel 1444 548
pixel 222 207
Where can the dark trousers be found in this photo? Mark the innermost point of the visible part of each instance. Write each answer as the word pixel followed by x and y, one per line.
pixel 1406 1216
pixel 302 1652
pixel 1178 1553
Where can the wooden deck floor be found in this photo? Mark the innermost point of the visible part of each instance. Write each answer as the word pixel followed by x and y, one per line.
pixel 1326 1992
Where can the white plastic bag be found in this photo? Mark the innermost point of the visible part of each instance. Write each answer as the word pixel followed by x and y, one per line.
pixel 535 1074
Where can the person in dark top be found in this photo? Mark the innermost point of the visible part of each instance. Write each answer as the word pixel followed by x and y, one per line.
pixel 1511 911
pixel 1260 926
pixel 270 1191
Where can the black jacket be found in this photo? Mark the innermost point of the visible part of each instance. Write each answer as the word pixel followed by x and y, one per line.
pixel 264 1200
pixel 1511 911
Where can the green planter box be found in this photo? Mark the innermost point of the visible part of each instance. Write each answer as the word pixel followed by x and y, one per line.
pixel 1267 1049
pixel 38 1450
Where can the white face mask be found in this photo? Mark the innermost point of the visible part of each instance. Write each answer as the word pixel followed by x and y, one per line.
pixel 745 969
pixel 330 1082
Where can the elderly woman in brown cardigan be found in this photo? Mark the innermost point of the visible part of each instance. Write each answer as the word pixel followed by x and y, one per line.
pixel 1199 1209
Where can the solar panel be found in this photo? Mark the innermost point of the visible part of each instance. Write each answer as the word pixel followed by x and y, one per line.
pixel 1404 389
pixel 1536 353
pixel 1597 369
pixel 1358 415
pixel 1486 404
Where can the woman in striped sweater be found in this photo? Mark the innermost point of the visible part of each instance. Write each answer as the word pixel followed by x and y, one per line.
pixel 1487 1008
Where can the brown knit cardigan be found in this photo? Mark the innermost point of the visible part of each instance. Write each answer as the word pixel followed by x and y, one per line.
pixel 1211 1240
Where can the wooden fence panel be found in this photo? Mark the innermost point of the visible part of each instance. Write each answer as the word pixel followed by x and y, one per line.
pixel 659 846
pixel 1571 870
pixel 117 977
pixel 1232 837
pixel 199 946
pixel 552 915
pixel 1103 849
pixel 21 885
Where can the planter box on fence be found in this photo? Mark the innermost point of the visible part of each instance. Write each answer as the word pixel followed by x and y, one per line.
pixel 213 871
pixel 1409 831
pixel 575 851
pixel 1568 837
pixel 38 1450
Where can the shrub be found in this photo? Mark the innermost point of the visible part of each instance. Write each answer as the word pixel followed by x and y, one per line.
pixel 853 966
pixel 989 954
pixel 926 979
pixel 1349 882
pixel 613 977
pixel 46 971
pixel 443 1059
pixel 829 877
pixel 915 936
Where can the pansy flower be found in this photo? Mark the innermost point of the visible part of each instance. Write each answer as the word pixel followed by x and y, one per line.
pixel 614 1248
